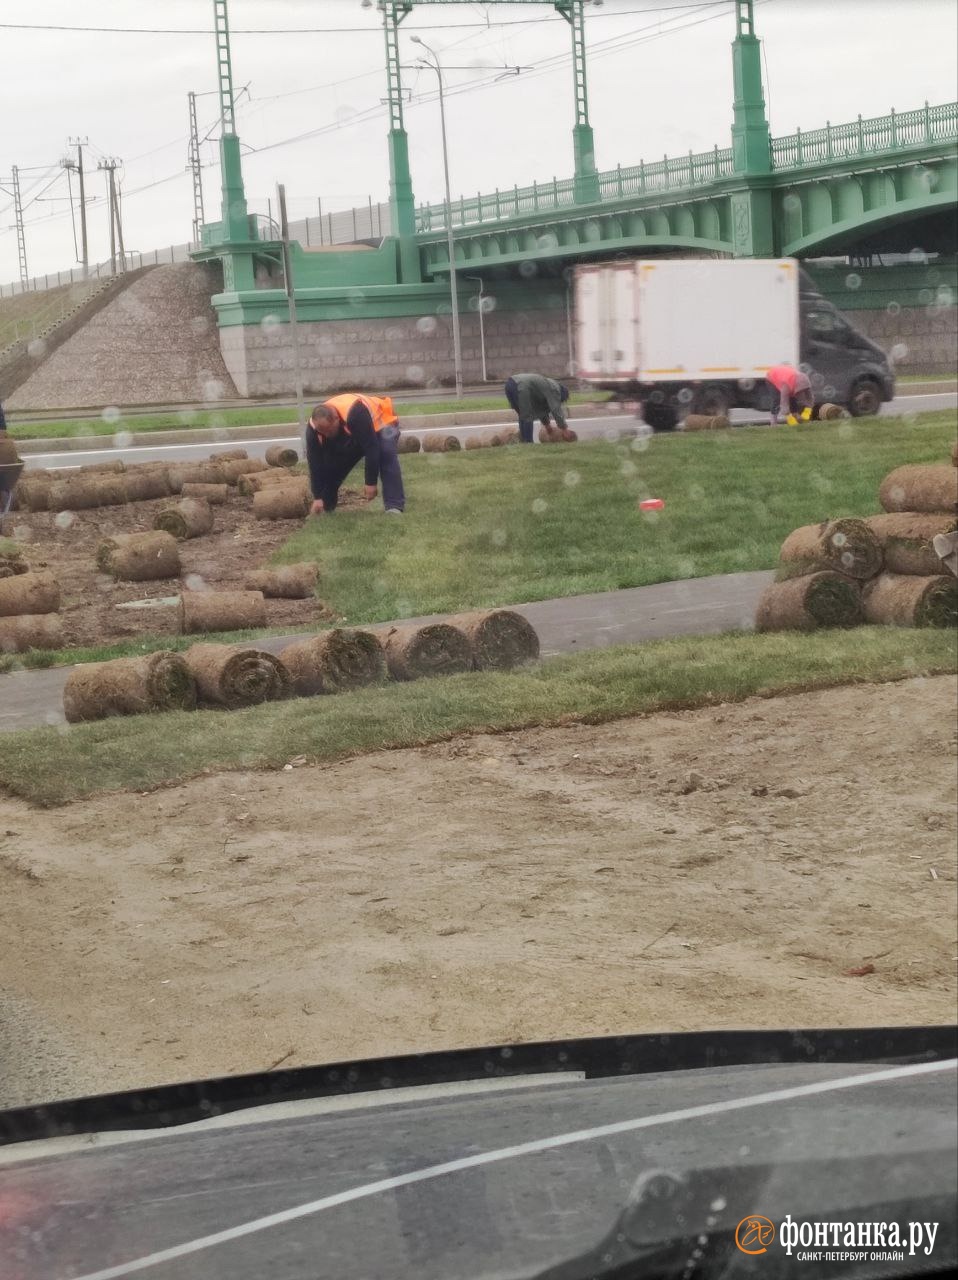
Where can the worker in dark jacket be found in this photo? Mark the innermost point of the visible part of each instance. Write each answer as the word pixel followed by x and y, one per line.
pixel 532 396
pixel 343 430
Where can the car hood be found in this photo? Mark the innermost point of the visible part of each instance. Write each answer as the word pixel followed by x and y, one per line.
pixel 499 1162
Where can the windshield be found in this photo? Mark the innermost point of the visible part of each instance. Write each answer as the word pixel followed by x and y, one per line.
pixel 478 570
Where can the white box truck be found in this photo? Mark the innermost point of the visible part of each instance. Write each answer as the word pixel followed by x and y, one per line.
pixel 698 335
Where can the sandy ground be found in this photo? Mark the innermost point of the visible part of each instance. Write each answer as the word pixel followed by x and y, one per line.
pixel 65 545
pixel 718 868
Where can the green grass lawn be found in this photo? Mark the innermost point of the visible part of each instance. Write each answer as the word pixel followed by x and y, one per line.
pixel 507 526
pixel 185 419
pixel 52 766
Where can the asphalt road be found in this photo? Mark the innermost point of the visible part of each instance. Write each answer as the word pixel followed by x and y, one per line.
pixel 588 429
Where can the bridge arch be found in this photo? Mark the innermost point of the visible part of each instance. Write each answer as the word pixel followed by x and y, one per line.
pixel 842 230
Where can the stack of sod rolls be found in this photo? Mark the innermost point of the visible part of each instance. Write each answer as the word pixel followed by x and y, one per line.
pixel 29 610
pixel 882 570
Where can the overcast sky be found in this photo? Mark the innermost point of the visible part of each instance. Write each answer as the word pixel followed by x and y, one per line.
pixel 659 82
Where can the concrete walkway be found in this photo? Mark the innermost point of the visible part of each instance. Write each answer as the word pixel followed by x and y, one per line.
pixel 696 606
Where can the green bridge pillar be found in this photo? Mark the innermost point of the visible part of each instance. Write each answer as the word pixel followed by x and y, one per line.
pixel 752 222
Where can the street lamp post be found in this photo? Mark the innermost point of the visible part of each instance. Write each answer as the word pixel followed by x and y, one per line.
pixel 453 286
pixel 482 328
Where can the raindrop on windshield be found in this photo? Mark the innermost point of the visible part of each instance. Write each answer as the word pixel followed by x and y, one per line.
pixel 426 324
pixel 37 349
pixel 111 414
pixel 64 519
pixel 539 506
pixel 853 280
pixel 528 269
pixel 270 325
pixel 123 439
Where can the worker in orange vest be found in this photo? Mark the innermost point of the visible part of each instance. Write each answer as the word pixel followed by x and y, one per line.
pixel 345 429
pixel 793 390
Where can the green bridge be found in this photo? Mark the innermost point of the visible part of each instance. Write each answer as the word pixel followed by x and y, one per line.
pixel 854 190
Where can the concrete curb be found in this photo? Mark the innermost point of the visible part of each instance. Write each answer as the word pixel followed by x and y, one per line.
pixel 289 430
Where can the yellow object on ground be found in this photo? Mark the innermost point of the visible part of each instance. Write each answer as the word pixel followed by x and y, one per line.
pixel 806 415
pixel 792 420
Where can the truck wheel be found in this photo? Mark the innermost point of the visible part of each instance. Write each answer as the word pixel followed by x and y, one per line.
pixel 660 417
pixel 865 400
pixel 712 401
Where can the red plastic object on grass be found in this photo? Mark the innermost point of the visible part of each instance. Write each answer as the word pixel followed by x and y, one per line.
pixel 651 504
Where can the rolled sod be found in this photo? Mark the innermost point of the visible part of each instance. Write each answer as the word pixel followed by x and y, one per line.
pixel 500 638
pixel 476 442
pixel 706 422
pixel 181 473
pixel 335 661
pixel 257 480
pixel 139 557
pixel 917 487
pixel 282 501
pixel 286 582
pixel 568 435
pixel 436 443
pixel 190 518
pixel 241 467
pixel 804 604
pixel 233 676
pixel 550 435
pixel 828 412
pixel 510 435
pixel 33 493
pixel 83 493
pixel 31 631
pixel 281 455
pixel 229 455
pixel 215 494
pixel 409 444
pixel 221 611
pixel 129 687
pixel 436 649
pixel 898 600
pixel 29 593
pixel 906 539
pixel 117 467
pixel 845 546
pixel 142 486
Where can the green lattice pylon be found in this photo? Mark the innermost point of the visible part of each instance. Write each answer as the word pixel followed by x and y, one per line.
pixel 235 219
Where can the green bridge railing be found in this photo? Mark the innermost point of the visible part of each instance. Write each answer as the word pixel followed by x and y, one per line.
pixel 875 137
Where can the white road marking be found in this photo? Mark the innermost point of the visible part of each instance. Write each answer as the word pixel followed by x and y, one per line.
pixel 511 1153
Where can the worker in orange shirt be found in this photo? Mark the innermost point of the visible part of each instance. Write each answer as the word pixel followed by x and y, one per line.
pixel 344 430
pixel 794 392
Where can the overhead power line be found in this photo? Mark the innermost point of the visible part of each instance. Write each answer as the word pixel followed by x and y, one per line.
pixel 321 31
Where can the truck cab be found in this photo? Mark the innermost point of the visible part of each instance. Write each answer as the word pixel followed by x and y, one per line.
pixel 846 367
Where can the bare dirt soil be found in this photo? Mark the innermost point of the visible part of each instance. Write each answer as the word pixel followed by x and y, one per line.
pixel 66 545
pixel 777 863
